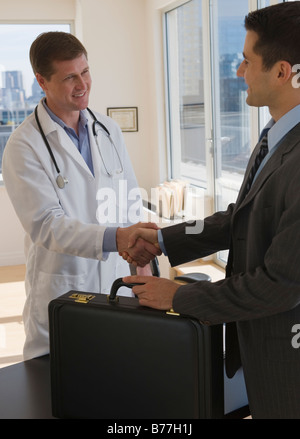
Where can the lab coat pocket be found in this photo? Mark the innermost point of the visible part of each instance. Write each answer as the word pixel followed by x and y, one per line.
pixel 49 287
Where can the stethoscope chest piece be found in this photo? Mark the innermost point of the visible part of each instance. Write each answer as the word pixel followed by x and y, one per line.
pixel 61 181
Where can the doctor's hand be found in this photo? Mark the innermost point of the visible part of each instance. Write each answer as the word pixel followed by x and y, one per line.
pixel 156 292
pixel 148 235
pixel 140 251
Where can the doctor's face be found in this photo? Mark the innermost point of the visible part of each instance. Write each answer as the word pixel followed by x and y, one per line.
pixel 68 89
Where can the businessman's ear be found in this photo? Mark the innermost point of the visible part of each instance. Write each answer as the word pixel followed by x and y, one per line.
pixel 284 71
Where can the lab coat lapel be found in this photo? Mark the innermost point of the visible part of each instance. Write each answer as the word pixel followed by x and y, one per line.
pixel 101 177
pixel 94 150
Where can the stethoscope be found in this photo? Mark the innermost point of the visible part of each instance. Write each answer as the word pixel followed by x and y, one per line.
pixel 62 181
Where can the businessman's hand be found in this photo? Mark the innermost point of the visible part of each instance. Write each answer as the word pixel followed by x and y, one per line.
pixel 140 251
pixel 156 292
pixel 148 235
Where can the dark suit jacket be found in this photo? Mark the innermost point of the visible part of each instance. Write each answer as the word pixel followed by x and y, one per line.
pixel 261 291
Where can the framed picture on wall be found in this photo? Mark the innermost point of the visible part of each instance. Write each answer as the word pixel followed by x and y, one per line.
pixel 126 117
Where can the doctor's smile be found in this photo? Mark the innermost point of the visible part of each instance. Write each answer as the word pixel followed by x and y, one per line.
pixel 79 95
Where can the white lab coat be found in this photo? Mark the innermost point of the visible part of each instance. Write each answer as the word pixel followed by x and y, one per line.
pixel 64 227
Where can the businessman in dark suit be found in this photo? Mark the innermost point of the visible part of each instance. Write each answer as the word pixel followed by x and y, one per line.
pixel 260 296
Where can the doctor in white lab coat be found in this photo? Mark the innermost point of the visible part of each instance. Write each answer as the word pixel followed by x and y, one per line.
pixel 66 228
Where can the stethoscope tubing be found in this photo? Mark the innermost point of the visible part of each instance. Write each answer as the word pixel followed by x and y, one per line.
pixel 46 141
pixel 97 121
pixel 61 180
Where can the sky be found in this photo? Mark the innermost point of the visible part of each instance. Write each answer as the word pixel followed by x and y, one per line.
pixel 15 41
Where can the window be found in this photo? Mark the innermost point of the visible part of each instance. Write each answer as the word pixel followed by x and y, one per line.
pixel 193 86
pixel 19 90
pixel 185 64
pixel 231 115
pixel 211 128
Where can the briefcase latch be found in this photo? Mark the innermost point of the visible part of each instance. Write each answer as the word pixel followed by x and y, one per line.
pixel 172 312
pixel 81 298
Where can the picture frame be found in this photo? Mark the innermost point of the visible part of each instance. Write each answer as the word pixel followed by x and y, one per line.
pixel 126 118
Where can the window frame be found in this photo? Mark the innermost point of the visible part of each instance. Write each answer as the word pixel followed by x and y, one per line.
pixel 207 107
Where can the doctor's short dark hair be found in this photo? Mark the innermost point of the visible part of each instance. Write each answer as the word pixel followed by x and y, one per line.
pixel 278 29
pixel 53 46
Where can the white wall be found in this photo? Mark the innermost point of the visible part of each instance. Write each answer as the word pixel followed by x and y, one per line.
pixel 124 42
pixel 115 35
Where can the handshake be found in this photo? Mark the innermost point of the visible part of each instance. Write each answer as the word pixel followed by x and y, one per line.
pixel 138 244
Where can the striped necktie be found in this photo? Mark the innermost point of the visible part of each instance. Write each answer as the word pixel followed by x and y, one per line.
pixel 263 151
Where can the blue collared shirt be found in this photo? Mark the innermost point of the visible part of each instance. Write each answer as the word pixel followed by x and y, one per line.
pixel 82 140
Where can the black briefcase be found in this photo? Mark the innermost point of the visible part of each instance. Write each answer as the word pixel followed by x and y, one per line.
pixel 112 358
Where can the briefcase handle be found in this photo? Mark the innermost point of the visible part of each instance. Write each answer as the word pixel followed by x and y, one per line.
pixel 116 285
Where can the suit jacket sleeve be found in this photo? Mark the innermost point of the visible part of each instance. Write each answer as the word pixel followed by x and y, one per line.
pixel 192 240
pixel 270 282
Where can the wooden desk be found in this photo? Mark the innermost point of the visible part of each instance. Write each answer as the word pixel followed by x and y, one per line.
pixel 25 390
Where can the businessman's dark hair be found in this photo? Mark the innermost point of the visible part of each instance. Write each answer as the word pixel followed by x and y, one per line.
pixel 278 29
